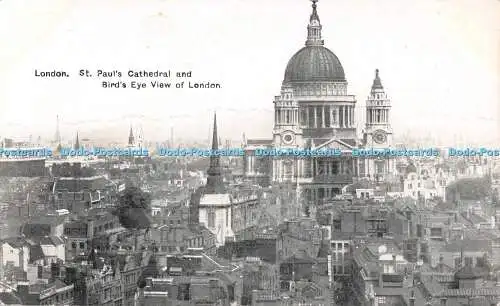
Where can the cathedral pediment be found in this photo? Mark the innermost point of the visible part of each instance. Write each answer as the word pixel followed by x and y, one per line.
pixel 339 144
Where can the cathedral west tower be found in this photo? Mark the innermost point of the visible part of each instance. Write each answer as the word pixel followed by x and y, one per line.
pixel 378 132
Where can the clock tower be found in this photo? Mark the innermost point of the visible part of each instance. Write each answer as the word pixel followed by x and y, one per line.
pixel 378 131
pixel 286 133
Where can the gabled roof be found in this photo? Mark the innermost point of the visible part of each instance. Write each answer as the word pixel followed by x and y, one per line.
pixel 342 144
pixel 51 240
pixel 16 242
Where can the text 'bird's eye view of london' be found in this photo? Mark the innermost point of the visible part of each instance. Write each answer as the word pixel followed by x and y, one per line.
pixel 232 152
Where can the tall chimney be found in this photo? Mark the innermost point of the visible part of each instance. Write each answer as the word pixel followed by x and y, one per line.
pixel 441 263
pixel 412 298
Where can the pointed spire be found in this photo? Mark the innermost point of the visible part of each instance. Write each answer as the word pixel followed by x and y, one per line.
pixel 131 139
pixel 77 142
pixel 57 137
pixel 215 184
pixel 377 83
pixel 314 28
pixel 215 139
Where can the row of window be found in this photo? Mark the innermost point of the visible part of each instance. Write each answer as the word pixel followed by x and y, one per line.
pixel 77 196
pixel 58 298
pixel 80 246
pixel 319 90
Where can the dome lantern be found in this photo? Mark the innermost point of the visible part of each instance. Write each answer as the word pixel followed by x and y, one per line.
pixel 314 28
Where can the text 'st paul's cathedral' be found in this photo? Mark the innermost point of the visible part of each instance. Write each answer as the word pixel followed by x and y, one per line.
pixel 314 111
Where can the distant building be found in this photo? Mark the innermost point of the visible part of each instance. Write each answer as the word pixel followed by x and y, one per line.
pixel 22 167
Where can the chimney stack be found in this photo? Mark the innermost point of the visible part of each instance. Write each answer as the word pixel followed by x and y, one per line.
pixel 441 263
pixel 412 298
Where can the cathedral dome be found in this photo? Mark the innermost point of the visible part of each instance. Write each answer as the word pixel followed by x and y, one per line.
pixel 314 63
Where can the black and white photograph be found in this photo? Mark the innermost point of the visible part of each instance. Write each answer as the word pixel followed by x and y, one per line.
pixel 250 152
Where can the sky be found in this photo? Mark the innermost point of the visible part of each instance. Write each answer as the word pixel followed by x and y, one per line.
pixel 438 60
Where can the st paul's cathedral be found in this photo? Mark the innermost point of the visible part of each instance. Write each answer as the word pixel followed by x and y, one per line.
pixel 315 111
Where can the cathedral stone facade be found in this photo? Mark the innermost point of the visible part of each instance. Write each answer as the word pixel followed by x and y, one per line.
pixel 315 111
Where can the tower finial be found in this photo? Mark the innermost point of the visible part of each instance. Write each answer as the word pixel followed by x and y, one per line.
pixel 377 83
pixel 314 28
pixel 57 137
pixel 77 142
pixel 131 138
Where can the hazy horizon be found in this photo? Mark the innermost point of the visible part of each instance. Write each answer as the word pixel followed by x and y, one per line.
pixel 438 61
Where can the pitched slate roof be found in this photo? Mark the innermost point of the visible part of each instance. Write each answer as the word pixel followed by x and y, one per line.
pixel 9 298
pixel 467 245
pixel 36 253
pixel 469 292
pixel 16 242
pixel 51 240
pixel 470 272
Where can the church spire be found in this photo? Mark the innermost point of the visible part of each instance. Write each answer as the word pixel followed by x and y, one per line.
pixel 77 142
pixel 57 137
pixel 314 28
pixel 131 138
pixel 377 83
pixel 215 183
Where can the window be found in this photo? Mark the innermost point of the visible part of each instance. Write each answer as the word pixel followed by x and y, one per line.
pixel 211 219
pixel 73 245
pixel 303 117
pixel 468 261
pixel 381 299
pixel 334 116
pixel 480 262
pixel 310 119
pixel 82 245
